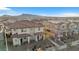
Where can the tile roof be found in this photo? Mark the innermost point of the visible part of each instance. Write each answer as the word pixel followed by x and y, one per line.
pixel 23 24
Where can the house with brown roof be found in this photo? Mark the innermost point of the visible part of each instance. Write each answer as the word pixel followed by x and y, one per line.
pixel 24 31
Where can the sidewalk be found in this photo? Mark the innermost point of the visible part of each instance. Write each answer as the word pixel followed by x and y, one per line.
pixel 75 43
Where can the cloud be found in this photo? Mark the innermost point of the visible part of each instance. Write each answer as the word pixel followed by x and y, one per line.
pixel 62 15
pixel 70 14
pixel 4 8
pixel 8 11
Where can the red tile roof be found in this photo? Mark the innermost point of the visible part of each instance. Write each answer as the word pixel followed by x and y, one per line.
pixel 23 24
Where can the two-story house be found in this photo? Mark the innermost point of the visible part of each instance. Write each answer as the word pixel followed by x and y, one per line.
pixel 24 31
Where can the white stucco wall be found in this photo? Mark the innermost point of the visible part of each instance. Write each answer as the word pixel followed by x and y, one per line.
pixel 24 40
pixel 27 39
pixel 1 36
pixel 19 31
pixel 31 31
pixel 1 28
pixel 28 30
pixel 37 29
pixel 16 41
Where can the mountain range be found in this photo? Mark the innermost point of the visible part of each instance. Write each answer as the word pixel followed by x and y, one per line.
pixel 33 17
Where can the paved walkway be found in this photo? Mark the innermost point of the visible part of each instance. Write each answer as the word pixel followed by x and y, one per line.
pixel 75 43
pixel 73 46
pixel 61 45
pixel 28 47
pixel 56 44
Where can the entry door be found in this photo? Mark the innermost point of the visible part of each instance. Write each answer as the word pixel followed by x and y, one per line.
pixel 21 40
pixel 38 37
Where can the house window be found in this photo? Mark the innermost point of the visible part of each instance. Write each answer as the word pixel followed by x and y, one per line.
pixel 38 29
pixel 14 29
pixel 31 29
pixel 62 26
pixel 23 30
pixel 25 38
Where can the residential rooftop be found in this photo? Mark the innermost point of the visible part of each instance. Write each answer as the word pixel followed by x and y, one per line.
pixel 23 24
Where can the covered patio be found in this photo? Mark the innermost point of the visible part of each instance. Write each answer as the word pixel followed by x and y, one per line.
pixel 19 39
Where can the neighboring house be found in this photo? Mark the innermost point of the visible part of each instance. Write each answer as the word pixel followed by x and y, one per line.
pixel 73 26
pixel 1 31
pixel 50 29
pixel 63 26
pixel 24 31
pixel 1 27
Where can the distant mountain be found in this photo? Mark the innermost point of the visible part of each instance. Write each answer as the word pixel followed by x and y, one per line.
pixel 33 17
pixel 21 17
pixel 29 17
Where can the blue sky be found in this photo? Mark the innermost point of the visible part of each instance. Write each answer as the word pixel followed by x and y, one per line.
pixel 45 11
